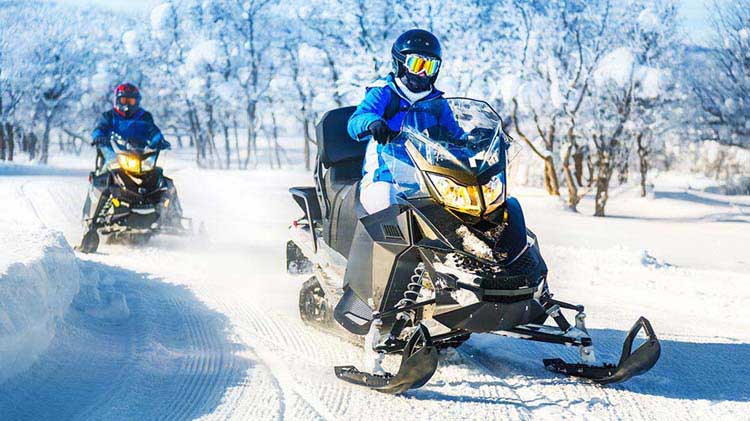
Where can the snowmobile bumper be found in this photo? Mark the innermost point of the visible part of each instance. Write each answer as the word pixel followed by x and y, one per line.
pixel 631 364
pixel 420 360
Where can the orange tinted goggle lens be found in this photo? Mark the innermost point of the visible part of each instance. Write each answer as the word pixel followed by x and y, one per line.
pixel 417 64
pixel 127 101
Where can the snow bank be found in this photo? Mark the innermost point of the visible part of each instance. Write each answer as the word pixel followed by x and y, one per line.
pixel 39 277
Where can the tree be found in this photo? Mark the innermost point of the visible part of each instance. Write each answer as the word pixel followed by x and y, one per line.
pixel 721 82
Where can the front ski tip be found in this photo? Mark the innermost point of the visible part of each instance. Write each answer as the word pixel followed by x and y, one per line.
pixel 631 364
pixel 420 360
pixel 89 242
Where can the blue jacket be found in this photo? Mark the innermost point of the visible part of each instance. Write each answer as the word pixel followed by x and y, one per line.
pixel 373 107
pixel 139 128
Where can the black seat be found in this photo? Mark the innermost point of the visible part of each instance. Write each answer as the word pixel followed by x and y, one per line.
pixel 342 157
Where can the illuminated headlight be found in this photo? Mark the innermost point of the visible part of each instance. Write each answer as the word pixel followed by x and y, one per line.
pixel 129 163
pixel 462 198
pixel 492 191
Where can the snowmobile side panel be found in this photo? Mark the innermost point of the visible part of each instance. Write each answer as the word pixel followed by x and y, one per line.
pixel 352 313
pixel 375 247
pixel 631 364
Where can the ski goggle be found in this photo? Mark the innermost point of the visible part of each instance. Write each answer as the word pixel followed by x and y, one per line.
pixel 417 64
pixel 123 100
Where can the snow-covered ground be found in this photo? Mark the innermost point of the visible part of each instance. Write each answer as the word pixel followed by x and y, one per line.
pixel 185 329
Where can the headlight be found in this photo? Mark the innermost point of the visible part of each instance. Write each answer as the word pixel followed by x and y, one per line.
pixel 492 191
pixel 456 196
pixel 129 163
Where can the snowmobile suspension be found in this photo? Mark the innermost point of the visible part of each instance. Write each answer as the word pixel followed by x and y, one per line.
pixel 405 308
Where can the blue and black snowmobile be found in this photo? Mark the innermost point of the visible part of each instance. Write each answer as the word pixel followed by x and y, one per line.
pixel 452 258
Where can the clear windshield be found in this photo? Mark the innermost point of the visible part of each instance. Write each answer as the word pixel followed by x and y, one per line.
pixel 132 140
pixel 132 136
pixel 458 134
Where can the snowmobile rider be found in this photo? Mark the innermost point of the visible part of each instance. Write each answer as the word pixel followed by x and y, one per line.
pixel 122 118
pixel 416 61
pixel 125 111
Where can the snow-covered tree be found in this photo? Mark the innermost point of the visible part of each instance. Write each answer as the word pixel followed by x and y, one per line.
pixel 562 43
pixel 630 92
pixel 721 84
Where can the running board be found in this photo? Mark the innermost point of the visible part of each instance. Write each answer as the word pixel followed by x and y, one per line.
pixel 631 364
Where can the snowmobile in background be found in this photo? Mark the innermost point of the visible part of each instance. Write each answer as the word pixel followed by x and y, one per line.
pixel 130 199
pixel 452 258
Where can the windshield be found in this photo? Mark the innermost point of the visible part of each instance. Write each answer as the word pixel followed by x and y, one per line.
pixel 461 135
pixel 132 136
pixel 130 148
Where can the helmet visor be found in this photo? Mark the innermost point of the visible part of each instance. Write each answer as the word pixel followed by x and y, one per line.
pixel 417 65
pixel 123 100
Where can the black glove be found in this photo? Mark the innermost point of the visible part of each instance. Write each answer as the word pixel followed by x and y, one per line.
pixel 380 131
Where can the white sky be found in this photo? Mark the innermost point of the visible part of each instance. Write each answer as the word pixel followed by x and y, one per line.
pixel 694 11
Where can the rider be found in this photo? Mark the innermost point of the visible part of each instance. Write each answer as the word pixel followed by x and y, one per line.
pixel 126 116
pixel 125 111
pixel 416 61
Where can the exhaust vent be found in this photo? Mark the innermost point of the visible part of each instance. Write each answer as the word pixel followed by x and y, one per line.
pixel 392 231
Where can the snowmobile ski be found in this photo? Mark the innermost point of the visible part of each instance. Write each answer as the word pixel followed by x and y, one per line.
pixel 418 364
pixel 90 242
pixel 631 364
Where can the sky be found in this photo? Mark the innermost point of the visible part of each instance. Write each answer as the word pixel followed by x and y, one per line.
pixel 696 17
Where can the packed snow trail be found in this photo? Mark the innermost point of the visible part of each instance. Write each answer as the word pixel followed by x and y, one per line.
pixel 178 329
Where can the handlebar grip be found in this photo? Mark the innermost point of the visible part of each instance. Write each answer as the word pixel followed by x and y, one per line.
pixel 364 134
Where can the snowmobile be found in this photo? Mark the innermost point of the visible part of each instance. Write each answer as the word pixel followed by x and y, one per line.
pixel 453 257
pixel 130 199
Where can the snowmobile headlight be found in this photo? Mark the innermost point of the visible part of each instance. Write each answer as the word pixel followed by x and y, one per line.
pixel 129 163
pixel 492 191
pixel 461 198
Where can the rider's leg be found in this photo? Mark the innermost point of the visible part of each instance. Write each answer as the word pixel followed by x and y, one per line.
pixel 378 196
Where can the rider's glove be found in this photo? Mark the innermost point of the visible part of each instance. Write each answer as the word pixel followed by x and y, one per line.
pixel 160 144
pixel 380 131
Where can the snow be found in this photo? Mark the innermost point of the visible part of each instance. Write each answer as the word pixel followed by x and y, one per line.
pixel 744 34
pixel 130 43
pixel 617 67
pixel 649 21
pixel 473 245
pixel 38 280
pixel 191 330
pixel 161 16
pixel 204 53
pixel 650 87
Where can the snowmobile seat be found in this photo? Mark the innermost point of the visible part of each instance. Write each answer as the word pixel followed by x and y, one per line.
pixel 342 156
pixel 334 144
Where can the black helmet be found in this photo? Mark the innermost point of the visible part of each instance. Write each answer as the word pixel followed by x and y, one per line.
pixel 415 41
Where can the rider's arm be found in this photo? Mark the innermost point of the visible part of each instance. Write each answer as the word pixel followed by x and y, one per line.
pixel 156 139
pixel 102 130
pixel 370 110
